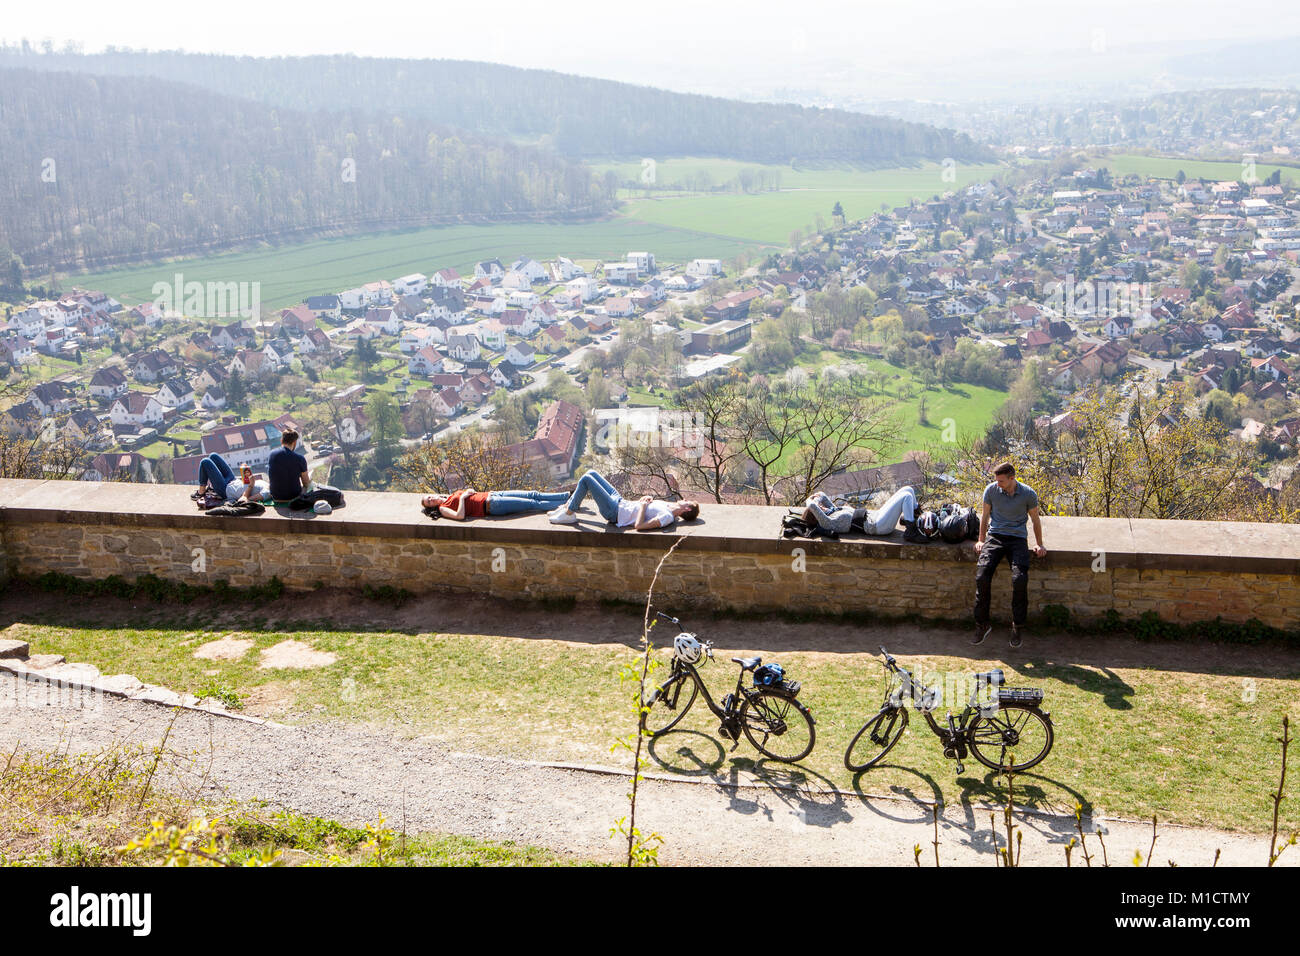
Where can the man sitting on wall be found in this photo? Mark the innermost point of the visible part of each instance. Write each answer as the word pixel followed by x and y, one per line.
pixel 287 470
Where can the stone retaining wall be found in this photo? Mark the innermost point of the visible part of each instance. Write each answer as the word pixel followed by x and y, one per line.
pixel 1184 571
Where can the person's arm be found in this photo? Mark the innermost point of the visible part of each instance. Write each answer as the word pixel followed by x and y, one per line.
pixel 458 514
pixel 639 520
pixel 984 525
pixel 1039 550
pixel 822 515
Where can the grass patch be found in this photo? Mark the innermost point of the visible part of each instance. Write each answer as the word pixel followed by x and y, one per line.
pixel 1189 744
pixel 1166 167
pixel 78 810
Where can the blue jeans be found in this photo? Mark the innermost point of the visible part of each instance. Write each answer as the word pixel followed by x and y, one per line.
pixel 901 504
pixel 516 502
pixel 601 491
pixel 215 473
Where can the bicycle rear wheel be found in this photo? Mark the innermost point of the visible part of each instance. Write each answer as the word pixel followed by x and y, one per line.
pixel 778 726
pixel 876 738
pixel 1014 732
pixel 669 703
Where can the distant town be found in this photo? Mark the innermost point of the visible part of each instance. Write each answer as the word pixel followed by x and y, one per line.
pixel 1135 280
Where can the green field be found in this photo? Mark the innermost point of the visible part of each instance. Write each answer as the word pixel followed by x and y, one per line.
pixel 804 195
pixel 676 229
pixel 1166 167
pixel 970 407
pixel 289 273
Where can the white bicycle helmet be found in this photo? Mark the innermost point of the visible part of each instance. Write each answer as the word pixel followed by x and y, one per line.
pixel 686 648
pixel 928 524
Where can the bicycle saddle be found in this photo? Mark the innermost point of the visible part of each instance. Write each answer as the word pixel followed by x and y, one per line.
pixel 990 677
pixel 747 663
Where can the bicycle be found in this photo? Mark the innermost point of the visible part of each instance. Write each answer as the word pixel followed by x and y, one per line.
pixel 769 716
pixel 1009 722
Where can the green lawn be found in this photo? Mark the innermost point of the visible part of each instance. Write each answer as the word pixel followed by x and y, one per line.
pixel 1183 742
pixel 1166 167
pixel 970 407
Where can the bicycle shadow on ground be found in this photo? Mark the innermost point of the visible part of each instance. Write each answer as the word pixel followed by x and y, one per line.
pixel 811 799
pixel 1113 689
pixel 1051 820
pixel 876 802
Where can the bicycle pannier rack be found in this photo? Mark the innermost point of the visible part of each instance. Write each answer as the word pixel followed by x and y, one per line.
pixel 1026 696
pixel 790 687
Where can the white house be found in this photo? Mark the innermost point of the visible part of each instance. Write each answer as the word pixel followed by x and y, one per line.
pixel 584 287
pixel 490 269
pixel 463 348
pixel 515 280
pixel 1212 330
pixel 427 361
pixel 447 403
pixel 705 267
pixel 644 262
pixel 530 268
pixel 214 398
pixel 29 322
pixel 352 299
pixel 414 338
pixel 520 355
pixel 522 299
pixel 136 408
pixel 175 393
pixel 414 284
pixel 562 270
pixel 1118 327
pixel 445 278
pixel 621 273
pixel 490 332
pixel 108 383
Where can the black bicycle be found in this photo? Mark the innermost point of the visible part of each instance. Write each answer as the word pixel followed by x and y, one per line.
pixel 770 716
pixel 1008 727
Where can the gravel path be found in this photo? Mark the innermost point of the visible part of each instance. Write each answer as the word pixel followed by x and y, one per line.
pixel 354 774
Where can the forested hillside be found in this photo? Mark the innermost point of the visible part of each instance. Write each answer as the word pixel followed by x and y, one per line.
pixel 579 116
pixel 104 169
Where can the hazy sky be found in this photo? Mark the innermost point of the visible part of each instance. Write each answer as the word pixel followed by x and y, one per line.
pixel 672 43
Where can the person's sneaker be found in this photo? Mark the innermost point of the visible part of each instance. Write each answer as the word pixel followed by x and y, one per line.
pixel 911 535
pixel 563 517
pixel 1014 640
pixel 981 631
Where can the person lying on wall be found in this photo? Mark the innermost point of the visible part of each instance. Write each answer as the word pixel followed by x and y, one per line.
pixel 468 503
pixel 820 510
pixel 218 479
pixel 645 514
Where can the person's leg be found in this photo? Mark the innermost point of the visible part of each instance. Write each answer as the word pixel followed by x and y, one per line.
pixel 1018 558
pixel 990 555
pixel 606 502
pixel 902 503
pixel 215 473
pixel 509 503
pixel 544 497
pixel 604 482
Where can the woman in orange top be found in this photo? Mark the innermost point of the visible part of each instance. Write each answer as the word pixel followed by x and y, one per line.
pixel 468 503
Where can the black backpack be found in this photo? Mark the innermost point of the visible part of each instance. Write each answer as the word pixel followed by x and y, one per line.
pixel 305 501
pixel 958 523
pixel 793 526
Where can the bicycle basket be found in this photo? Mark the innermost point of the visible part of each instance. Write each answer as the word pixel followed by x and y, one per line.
pixel 769 675
pixel 1025 696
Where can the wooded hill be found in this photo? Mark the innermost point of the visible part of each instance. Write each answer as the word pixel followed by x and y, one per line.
pixel 105 169
pixel 578 116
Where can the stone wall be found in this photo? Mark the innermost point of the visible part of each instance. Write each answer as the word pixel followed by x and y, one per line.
pixel 733 558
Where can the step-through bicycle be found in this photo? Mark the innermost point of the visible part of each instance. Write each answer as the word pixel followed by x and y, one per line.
pixel 1007 731
pixel 769 716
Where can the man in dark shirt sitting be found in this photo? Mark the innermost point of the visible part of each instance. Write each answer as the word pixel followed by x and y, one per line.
pixel 287 470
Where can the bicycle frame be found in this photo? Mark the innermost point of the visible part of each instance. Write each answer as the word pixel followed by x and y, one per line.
pixel 953 737
pixel 690 670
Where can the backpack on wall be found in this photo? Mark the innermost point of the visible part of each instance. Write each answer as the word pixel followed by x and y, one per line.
pixel 958 523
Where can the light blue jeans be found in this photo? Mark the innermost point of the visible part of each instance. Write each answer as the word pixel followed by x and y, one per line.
pixel 517 502
pixel 601 491
pixel 883 520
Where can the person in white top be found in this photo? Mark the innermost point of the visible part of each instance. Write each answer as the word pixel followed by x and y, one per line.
pixel 644 514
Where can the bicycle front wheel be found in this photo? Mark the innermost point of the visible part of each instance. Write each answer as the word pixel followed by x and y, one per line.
pixel 876 738
pixel 778 726
pixel 668 704
pixel 1015 732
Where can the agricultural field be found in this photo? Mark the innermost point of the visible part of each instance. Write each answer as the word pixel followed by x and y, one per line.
pixel 676 229
pixel 1166 167
pixel 289 273
pixel 805 194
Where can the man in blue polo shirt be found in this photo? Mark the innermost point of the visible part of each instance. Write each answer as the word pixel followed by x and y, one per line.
pixel 1008 505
